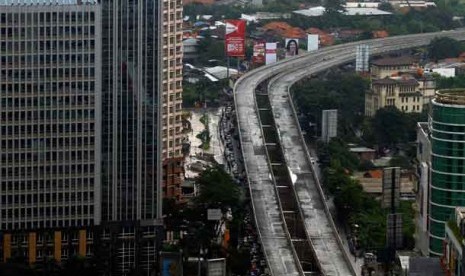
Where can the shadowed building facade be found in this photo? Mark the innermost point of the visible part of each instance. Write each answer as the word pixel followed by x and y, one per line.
pixel 90 129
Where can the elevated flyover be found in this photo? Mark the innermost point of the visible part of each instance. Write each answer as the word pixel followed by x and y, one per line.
pixel 294 225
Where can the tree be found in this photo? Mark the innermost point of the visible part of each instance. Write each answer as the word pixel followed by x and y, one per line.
pixel 333 13
pixel 400 161
pixel 15 269
pixel 239 261
pixel 389 126
pixel 386 6
pixel 347 95
pixel 78 266
pixel 334 6
pixel 455 82
pixel 349 199
pixel 217 189
pixel 444 47
pixel 211 49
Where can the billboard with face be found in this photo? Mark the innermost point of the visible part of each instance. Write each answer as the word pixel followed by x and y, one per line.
pixel 235 38
pixel 292 47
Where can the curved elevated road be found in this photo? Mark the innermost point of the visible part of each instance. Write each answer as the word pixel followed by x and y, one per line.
pixel 321 233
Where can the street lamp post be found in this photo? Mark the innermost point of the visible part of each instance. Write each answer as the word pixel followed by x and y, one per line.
pixel 202 253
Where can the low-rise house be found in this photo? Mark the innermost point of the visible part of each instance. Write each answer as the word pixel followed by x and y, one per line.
pixel 363 153
pixel 372 182
pixel 391 66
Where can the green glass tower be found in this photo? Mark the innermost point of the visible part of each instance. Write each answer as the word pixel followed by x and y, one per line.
pixel 447 124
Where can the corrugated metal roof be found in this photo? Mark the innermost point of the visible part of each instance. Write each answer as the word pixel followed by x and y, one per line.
pixel 45 2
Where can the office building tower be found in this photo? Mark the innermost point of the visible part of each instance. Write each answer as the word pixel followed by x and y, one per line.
pixel 328 125
pixel 141 145
pixel 142 86
pixel 424 183
pixel 447 191
pixel 171 122
pixel 50 127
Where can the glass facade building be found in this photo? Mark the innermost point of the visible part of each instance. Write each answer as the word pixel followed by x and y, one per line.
pixel 447 191
pixel 141 86
pixel 50 128
pixel 131 97
pixel 50 96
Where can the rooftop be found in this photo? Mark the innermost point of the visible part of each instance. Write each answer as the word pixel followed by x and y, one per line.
pixel 450 96
pixel 394 61
pixel 401 81
pixel 220 72
pixel 319 11
pixel 425 266
pixel 361 149
pixel 45 2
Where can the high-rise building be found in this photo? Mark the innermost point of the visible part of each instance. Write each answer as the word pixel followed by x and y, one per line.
pixel 142 87
pixel 50 127
pixel 447 190
pixel 171 122
pixel 90 128
pixel 141 145
pixel 424 183
pixel 328 125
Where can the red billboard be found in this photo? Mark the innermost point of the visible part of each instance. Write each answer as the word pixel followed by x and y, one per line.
pixel 258 52
pixel 235 38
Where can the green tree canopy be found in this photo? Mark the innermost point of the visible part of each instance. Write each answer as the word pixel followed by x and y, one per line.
pixel 455 82
pixel 334 6
pixel 217 189
pixel 389 126
pixel 444 47
pixel 386 6
pixel 211 49
pixel 400 161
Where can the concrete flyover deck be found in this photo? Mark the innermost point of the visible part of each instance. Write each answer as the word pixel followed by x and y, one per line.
pixel 320 228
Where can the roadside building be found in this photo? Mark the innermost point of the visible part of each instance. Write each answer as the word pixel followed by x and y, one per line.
pixel 364 153
pixel 424 182
pixel 426 86
pixel 50 129
pixel 372 182
pixel 401 92
pixel 453 261
pixel 190 49
pixel 447 126
pixel 391 66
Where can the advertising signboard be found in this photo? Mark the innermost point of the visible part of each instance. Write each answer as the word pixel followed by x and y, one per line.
pixel 235 38
pixel 216 267
pixel 292 47
pixel 170 264
pixel 259 52
pixel 313 42
pixel 214 214
pixel 391 187
pixel 271 53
